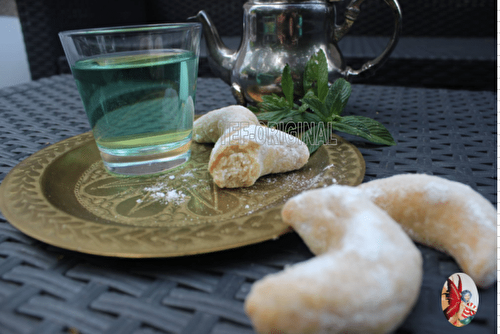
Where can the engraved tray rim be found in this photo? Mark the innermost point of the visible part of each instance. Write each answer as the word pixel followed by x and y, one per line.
pixel 32 213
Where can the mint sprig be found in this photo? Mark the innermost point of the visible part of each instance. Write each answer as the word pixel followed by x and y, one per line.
pixel 320 109
pixel 316 75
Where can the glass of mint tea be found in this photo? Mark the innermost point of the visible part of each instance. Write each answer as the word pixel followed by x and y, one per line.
pixel 138 87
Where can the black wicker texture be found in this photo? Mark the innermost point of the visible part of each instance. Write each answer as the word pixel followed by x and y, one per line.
pixel 437 62
pixel 451 74
pixel 48 290
pixel 431 18
pixel 453 63
pixel 227 15
pixel 41 20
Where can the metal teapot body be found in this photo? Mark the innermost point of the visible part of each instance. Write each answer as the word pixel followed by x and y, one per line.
pixel 283 32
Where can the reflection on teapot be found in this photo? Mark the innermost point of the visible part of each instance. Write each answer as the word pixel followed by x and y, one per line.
pixel 277 32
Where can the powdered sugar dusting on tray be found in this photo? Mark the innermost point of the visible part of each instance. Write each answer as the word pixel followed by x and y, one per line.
pixel 177 189
pixel 188 174
pixel 167 191
pixel 296 181
pixel 162 192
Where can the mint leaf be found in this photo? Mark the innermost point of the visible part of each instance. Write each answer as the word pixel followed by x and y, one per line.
pixel 271 115
pixel 303 108
pixel 316 75
pixel 253 109
pixel 309 94
pixel 316 136
pixel 322 75
pixel 287 85
pixel 286 122
pixel 294 116
pixel 353 129
pixel 311 118
pixel 310 77
pixel 365 127
pixel 337 96
pixel 273 103
pixel 278 100
pixel 326 104
pixel 317 107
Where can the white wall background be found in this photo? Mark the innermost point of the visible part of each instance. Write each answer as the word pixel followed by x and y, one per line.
pixel 14 67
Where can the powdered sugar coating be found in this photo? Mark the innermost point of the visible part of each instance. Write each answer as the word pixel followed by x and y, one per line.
pixel 365 278
pixel 209 127
pixel 443 214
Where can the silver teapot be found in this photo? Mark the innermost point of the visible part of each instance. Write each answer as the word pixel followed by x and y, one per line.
pixel 277 32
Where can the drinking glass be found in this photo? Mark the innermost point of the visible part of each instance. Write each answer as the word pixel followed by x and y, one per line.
pixel 138 87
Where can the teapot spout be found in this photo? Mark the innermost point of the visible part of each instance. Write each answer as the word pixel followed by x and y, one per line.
pixel 221 59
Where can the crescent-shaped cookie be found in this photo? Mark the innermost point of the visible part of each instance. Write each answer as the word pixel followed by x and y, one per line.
pixel 209 127
pixel 446 215
pixel 240 157
pixel 365 279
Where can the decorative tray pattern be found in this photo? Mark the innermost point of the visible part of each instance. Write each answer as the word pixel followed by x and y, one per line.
pixel 62 195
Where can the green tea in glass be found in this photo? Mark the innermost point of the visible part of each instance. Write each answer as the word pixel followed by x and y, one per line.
pixel 138 87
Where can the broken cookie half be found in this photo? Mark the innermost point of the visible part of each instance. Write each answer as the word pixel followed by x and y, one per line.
pixel 240 157
pixel 245 150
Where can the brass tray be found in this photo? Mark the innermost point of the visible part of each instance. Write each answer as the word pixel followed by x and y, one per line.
pixel 63 196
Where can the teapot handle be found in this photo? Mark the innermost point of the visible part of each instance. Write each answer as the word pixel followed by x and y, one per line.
pixel 351 15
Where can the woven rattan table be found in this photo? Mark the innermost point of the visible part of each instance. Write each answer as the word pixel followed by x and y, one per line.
pixel 44 289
